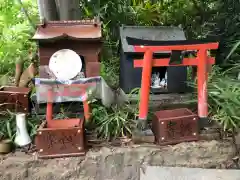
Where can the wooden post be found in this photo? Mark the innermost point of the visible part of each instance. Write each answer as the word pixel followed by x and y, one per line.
pixel 202 83
pixel 145 85
pixel 49 112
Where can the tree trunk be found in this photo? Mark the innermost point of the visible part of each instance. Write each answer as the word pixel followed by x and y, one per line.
pixel 48 10
pixel 40 9
pixel 69 9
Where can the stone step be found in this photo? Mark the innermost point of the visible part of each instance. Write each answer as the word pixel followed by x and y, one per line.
pixel 181 173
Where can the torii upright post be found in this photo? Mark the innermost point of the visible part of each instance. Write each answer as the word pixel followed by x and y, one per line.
pixel 202 60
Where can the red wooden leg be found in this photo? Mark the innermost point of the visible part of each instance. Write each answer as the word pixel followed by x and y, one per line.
pixel 202 84
pixel 49 107
pixel 145 85
pixel 86 110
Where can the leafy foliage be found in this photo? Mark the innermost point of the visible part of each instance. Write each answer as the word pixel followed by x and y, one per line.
pixel 199 19
pixel 224 23
pixel 115 121
pixel 224 99
pixel 139 12
pixel 15 32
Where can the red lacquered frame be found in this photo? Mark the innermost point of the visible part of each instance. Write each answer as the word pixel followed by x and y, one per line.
pixel 202 61
pixel 61 123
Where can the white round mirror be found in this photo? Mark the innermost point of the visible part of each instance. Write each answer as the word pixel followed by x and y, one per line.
pixel 65 64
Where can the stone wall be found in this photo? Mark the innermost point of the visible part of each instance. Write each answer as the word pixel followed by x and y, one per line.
pixel 118 163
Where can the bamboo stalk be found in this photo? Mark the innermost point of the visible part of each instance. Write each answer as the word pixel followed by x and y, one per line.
pixel 27 75
pixel 18 71
pixel 32 70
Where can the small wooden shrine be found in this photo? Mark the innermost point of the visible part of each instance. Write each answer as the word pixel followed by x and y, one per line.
pixel 68 50
pixel 83 36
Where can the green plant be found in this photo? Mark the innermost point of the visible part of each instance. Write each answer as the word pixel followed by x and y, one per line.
pixel 224 24
pixel 8 125
pixel 7 129
pixel 115 121
pixel 145 13
pixel 15 32
pixel 224 100
pixel 224 96
pixel 4 80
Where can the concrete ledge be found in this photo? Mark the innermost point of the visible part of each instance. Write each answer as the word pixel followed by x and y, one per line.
pixel 168 101
pixel 117 163
pixel 179 173
pixel 162 97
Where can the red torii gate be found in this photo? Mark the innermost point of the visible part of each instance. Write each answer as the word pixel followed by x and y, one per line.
pixel 202 60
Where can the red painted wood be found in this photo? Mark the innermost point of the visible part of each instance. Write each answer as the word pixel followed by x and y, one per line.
pixel 65 122
pixel 87 110
pixel 177 47
pixel 165 62
pixel 145 86
pixel 201 61
pixel 202 84
pixel 49 107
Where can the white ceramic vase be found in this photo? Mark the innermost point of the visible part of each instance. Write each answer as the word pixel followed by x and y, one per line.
pixel 22 137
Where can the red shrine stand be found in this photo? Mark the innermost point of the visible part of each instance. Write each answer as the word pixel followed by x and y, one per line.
pixel 63 137
pixel 175 48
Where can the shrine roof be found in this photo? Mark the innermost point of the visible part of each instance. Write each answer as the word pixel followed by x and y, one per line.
pixel 153 33
pixel 77 30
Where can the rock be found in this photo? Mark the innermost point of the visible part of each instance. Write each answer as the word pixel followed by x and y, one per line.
pixel 138 138
pixel 156 159
pixel 238 140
